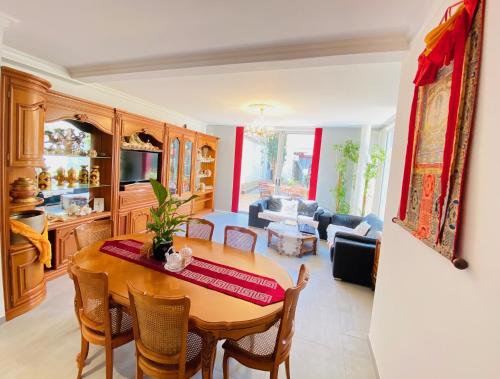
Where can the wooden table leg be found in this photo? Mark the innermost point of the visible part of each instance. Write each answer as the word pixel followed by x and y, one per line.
pixel 208 355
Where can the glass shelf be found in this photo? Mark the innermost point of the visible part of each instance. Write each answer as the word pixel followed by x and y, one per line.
pixel 74 156
pixel 54 191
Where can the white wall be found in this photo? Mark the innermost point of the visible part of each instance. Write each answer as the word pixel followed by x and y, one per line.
pixel 327 174
pixel 429 319
pixel 225 165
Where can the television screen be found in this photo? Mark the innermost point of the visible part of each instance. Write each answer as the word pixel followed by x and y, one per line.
pixel 138 166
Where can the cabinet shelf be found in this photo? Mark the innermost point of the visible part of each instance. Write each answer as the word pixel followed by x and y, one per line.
pixel 60 190
pixel 74 156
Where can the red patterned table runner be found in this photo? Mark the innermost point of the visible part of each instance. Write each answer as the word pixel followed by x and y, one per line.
pixel 215 276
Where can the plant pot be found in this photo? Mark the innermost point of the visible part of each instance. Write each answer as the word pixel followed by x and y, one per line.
pixel 161 249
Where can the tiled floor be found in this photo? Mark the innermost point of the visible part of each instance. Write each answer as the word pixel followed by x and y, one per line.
pixel 330 342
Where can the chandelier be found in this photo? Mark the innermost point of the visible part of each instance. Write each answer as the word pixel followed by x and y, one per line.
pixel 258 128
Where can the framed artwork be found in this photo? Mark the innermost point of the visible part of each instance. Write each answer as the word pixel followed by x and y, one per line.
pixel 441 123
pixel 99 204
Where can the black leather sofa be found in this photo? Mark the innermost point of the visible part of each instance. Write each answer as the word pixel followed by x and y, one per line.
pixel 262 204
pixel 352 255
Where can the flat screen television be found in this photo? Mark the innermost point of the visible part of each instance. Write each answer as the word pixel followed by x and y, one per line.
pixel 138 166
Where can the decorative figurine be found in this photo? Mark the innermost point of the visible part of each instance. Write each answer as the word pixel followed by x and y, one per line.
pixel 95 176
pixel 83 176
pixel 44 179
pixel 72 178
pixel 24 191
pixel 92 153
pixel 60 176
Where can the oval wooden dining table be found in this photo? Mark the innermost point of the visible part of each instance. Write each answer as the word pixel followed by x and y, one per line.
pixel 215 315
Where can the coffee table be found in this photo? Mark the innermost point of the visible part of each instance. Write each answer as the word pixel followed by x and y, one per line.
pixel 290 240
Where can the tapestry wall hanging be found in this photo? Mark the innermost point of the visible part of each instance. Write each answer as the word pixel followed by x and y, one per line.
pixel 440 128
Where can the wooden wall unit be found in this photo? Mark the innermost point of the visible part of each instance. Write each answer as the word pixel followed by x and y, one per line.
pixel 27 105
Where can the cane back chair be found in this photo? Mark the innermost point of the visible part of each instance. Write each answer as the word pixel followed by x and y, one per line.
pixel 266 351
pixel 240 238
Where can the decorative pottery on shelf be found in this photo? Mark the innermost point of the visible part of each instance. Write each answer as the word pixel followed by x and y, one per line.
pixel 72 178
pixel 134 142
pixel 44 179
pixel 24 191
pixel 35 219
pixel 95 176
pixel 83 175
pixel 60 176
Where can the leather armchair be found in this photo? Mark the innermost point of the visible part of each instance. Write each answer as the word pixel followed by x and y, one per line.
pixel 353 258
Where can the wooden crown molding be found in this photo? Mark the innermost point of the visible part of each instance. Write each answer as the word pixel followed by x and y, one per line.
pixel 269 53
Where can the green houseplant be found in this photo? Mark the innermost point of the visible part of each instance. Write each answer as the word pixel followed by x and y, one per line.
pixel 165 219
pixel 346 152
pixel 377 158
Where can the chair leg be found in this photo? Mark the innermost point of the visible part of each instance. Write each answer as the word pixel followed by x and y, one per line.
pixel 80 359
pixel 274 373
pixel 225 365
pixel 109 362
pixel 138 371
pixel 287 367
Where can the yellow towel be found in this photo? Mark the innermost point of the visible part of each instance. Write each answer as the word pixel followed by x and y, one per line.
pixel 41 241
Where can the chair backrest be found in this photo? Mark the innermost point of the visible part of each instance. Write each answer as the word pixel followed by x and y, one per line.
pixel 240 238
pixel 160 327
pixel 94 231
pixel 199 228
pixel 92 296
pixel 286 330
pixel 78 297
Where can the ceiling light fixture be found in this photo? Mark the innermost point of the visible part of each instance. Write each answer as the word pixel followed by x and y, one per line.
pixel 258 128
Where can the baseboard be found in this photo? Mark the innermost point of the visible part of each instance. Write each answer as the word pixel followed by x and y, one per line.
pixel 373 358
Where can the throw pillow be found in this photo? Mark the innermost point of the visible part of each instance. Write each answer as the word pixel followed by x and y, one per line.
pixel 274 204
pixel 289 207
pixel 362 228
pixel 307 207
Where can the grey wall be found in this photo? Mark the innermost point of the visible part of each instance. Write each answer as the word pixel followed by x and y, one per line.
pixel 327 173
pixel 225 165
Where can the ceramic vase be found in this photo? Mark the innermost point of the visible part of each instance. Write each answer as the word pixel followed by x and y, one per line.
pixel 72 177
pixel 44 179
pixel 60 176
pixel 95 176
pixel 83 176
pixel 23 191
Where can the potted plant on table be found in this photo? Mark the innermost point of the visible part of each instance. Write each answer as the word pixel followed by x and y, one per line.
pixel 165 219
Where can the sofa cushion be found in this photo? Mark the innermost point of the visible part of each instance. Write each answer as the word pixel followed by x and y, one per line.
pixel 307 207
pixel 332 230
pixel 289 207
pixel 363 228
pixel 280 217
pixel 274 204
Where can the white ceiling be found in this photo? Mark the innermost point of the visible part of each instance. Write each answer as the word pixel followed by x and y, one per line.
pixel 326 62
pixel 341 95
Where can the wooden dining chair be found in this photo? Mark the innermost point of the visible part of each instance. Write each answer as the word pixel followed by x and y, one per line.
pixel 199 228
pixel 165 348
pixel 103 322
pixel 266 351
pixel 240 238
pixel 90 232
pixel 76 301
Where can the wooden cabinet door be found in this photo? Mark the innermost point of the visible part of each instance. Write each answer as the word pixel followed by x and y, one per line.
pixel 28 282
pixel 26 120
pixel 188 164
pixel 123 224
pixel 66 245
pixel 139 219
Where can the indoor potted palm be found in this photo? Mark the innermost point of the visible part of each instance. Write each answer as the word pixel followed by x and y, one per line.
pixel 165 219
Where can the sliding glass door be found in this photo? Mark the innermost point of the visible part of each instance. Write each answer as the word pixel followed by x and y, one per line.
pixel 278 164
